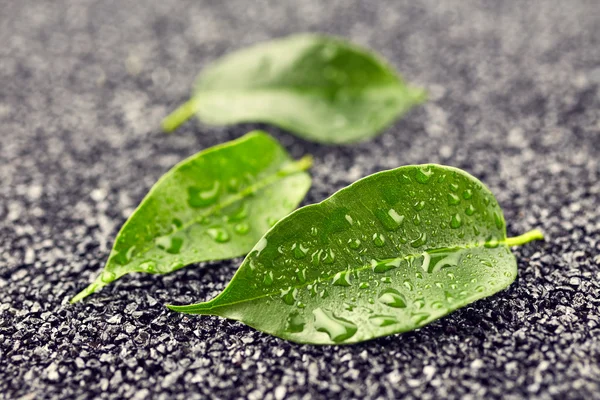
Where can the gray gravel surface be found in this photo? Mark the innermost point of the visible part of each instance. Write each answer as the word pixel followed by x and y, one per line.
pixel 514 99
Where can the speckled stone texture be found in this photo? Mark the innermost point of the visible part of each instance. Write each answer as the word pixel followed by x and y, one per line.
pixel 514 100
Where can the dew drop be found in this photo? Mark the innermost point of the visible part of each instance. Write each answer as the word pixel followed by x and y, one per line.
pixel 289 295
pixel 390 219
pixel 420 241
pixel 419 205
pixel 242 228
pixel 170 244
pixel 315 258
pixel 294 323
pixel 124 256
pixel 498 220
pixel 349 219
pixel 423 175
pixel 408 285
pixel 268 280
pixel 328 256
pixel 417 220
pixel 392 298
pixel 198 197
pixel 383 320
pixel 467 194
pixel 364 285
pixel 453 199
pixel 354 243
pixel 239 214
pixel 486 263
pixel 342 279
pixel 470 210
pixel 454 186
pixel 395 216
pixel 108 276
pixel 386 266
pixel 148 266
pixel 419 318
pixel 437 305
pixel 456 221
pixel 337 328
pixel 299 251
pixel 378 239
pixel 301 274
pixel 419 303
pixel 218 234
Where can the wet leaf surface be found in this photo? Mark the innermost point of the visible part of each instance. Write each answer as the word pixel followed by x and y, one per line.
pixel 214 205
pixel 389 253
pixel 322 88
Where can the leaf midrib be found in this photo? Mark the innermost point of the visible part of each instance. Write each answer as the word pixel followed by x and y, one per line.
pixel 398 85
pixel 363 268
pixel 280 173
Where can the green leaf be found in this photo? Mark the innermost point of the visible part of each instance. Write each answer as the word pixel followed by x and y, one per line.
pixel 387 254
pixel 214 205
pixel 323 88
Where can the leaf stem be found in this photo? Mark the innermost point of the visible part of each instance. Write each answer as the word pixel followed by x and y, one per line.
pixel 527 237
pixel 91 288
pixel 302 164
pixel 179 116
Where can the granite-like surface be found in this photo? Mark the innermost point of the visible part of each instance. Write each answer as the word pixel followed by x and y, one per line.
pixel 514 99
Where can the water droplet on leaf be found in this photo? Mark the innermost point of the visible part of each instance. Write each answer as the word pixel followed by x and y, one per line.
pixel 337 328
pixel 219 235
pixel 294 323
pixel 423 175
pixel 198 197
pixel 383 320
pixel 342 279
pixel 392 298
pixel 378 239
pixel 453 199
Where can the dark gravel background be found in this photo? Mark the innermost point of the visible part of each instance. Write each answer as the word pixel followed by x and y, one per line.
pixel 514 99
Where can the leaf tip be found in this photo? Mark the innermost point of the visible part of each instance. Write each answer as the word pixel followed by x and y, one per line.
pixel 183 309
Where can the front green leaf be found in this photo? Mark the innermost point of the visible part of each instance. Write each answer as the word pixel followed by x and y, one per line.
pixel 388 254
pixel 214 205
pixel 323 88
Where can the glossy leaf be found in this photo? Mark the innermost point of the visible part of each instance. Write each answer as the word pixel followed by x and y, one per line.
pixel 214 205
pixel 389 253
pixel 320 87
